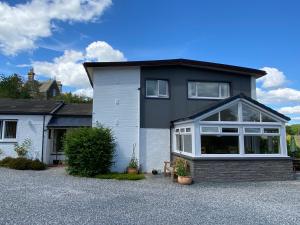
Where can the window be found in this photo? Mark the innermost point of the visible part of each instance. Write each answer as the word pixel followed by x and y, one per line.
pixel 266 118
pixel 262 144
pixel 212 144
pixel 184 140
pixel 271 130
pixel 157 89
pixel 214 117
pixel 250 115
pixel 8 129
pixel 208 90
pixel 230 114
pixel 210 129
pixel 230 130
pixel 252 130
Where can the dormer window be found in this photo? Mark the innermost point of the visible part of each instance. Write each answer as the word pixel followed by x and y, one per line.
pixel 157 89
pixel 208 90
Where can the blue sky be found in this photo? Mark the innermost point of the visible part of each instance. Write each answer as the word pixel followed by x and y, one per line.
pixel 258 34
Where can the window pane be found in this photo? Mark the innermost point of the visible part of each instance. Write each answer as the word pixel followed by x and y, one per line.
pixel 207 89
pixel 271 130
pixel 252 130
pixel 192 89
pixel 214 117
pixel 187 142
pixel 163 88
pixel 230 130
pixel 261 144
pixel 219 144
pixel 250 115
pixel 182 130
pixel 151 86
pixel 225 90
pixel 210 129
pixel 266 118
pixel 230 114
pixel 178 142
pixel 10 129
pixel 188 130
pixel 177 130
pixel 1 124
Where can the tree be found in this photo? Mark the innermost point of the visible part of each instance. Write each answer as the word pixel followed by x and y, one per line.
pixel 12 87
pixel 72 98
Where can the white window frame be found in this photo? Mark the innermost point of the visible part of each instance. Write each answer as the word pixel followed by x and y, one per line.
pixel 182 133
pixel 207 97
pixel 157 86
pixel 2 138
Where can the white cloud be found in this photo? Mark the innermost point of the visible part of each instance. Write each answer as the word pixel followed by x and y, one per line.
pixel 68 67
pixel 84 92
pixel 295 118
pixel 274 78
pixel 290 109
pixel 23 24
pixel 280 95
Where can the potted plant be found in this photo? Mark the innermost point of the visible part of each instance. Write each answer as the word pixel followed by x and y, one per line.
pixel 181 168
pixel 133 163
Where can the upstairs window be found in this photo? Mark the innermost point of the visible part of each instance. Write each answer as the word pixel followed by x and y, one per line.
pixel 8 129
pixel 157 89
pixel 215 90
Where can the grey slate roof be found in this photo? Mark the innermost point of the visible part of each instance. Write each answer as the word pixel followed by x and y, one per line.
pixel 70 121
pixel 75 109
pixel 46 85
pixel 28 106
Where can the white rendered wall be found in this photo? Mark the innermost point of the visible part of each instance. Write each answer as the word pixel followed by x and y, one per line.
pixel 28 126
pixel 154 148
pixel 116 104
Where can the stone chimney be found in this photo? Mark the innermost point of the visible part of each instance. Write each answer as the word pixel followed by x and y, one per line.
pixel 59 84
pixel 31 75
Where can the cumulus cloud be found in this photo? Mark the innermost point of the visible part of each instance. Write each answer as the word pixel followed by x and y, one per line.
pixel 23 24
pixel 290 109
pixel 84 92
pixel 276 96
pixel 68 67
pixel 274 78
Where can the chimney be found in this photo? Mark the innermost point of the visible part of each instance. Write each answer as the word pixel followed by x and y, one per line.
pixel 31 75
pixel 59 84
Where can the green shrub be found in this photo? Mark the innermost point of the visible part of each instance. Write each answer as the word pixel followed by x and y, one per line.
pixel 22 164
pixel 89 151
pixel 121 176
pixel 181 167
pixel 23 149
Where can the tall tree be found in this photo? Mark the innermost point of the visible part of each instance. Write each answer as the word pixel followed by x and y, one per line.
pixel 12 87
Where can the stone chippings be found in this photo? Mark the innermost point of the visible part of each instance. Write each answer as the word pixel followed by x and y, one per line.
pixel 52 197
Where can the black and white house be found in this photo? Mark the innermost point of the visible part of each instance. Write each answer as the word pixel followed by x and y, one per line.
pixel 204 112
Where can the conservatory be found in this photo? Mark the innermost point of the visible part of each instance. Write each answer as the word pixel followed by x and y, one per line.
pixel 237 129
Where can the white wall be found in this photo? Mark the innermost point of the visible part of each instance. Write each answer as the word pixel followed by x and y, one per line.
pixel 154 148
pixel 116 104
pixel 28 126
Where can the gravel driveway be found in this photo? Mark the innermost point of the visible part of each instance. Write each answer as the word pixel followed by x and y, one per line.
pixel 52 197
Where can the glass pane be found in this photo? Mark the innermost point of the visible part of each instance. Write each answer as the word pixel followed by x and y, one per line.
pixel 214 117
pixel 10 129
pixel 271 130
pixel 1 124
pixel 219 144
pixel 225 90
pixel 210 129
pixel 151 86
pixel 163 87
pixel 230 130
pixel 182 130
pixel 230 114
pixel 188 130
pixel 261 144
pixel 177 130
pixel 192 89
pixel 207 89
pixel 252 130
pixel 187 141
pixel 250 115
pixel 266 118
pixel 178 142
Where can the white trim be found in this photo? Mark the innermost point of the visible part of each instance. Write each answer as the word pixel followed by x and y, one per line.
pixel 207 97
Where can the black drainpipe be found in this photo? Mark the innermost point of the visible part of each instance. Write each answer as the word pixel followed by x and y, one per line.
pixel 43 138
pixel 171 126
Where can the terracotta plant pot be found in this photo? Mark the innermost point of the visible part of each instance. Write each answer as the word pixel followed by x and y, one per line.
pixel 186 180
pixel 132 171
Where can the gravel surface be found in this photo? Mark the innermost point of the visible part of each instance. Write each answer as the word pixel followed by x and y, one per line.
pixel 52 197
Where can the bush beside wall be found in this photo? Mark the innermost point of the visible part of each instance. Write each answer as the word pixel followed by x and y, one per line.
pixel 22 164
pixel 89 151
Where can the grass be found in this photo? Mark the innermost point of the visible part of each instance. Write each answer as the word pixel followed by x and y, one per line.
pixel 121 176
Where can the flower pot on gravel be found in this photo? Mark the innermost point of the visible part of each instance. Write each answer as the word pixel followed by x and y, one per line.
pixel 132 170
pixel 185 180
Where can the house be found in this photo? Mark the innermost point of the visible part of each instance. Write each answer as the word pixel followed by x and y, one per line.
pixel 204 112
pixel 43 90
pixel 43 122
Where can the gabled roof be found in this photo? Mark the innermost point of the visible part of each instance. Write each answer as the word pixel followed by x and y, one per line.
pixel 46 85
pixel 231 99
pixel 75 109
pixel 28 106
pixel 176 62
